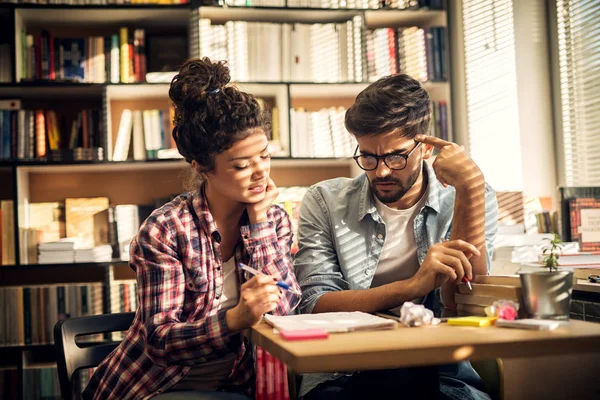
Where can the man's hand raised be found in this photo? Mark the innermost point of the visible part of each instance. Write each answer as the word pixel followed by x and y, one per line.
pixel 452 165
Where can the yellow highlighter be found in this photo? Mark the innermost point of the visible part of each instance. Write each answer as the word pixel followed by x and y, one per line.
pixel 472 321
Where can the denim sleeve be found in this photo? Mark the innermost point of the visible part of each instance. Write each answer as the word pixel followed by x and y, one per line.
pixel 491 222
pixel 316 263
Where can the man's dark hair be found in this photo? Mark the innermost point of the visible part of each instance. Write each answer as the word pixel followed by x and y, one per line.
pixel 210 116
pixel 390 103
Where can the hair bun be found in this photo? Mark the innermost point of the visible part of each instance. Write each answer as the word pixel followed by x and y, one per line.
pixel 197 78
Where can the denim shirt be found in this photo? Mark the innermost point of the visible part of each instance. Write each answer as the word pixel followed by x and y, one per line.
pixel 341 236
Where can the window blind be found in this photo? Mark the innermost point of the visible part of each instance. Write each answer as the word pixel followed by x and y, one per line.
pixel 491 91
pixel 578 26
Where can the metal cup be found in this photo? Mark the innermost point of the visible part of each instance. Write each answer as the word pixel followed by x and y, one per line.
pixel 547 295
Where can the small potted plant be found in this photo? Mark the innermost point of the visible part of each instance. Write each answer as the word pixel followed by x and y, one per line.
pixel 547 292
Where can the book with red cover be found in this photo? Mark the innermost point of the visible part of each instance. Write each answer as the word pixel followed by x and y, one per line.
pixel 585 222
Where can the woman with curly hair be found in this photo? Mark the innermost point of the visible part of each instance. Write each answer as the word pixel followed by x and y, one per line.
pixel 186 338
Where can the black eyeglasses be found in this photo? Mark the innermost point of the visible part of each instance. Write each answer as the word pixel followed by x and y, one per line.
pixel 395 161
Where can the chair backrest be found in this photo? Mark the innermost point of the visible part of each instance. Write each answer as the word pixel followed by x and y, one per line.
pixel 70 357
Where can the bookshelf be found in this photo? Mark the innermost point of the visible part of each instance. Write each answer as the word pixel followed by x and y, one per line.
pixel 36 179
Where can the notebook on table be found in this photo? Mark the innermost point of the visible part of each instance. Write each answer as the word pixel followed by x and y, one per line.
pixel 331 322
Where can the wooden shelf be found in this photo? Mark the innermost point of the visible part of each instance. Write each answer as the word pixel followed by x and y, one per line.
pixel 397 18
pixel 102 15
pixel 63 265
pixel 220 15
pixel 328 90
pixel 50 90
pixel 39 167
pixel 373 17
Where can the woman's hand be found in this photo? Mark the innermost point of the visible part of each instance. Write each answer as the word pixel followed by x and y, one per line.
pixel 258 296
pixel 257 212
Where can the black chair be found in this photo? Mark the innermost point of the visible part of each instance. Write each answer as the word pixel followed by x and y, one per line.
pixel 71 357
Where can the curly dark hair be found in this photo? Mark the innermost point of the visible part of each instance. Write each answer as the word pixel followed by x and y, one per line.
pixel 210 116
pixel 390 103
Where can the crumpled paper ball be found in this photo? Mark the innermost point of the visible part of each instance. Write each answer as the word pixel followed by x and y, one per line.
pixel 412 314
pixel 503 309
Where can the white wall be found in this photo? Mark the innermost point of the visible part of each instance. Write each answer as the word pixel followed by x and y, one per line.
pixel 536 130
pixel 535 98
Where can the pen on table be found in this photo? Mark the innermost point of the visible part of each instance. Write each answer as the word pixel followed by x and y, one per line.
pixel 465 280
pixel 282 285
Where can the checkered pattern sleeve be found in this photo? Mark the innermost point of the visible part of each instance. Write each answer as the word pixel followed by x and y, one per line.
pixel 268 244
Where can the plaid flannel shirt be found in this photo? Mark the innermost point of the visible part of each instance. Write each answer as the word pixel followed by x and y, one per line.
pixel 177 260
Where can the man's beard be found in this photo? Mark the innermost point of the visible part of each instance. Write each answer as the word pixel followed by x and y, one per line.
pixel 401 188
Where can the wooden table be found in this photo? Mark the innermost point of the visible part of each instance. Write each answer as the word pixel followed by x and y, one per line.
pixel 403 347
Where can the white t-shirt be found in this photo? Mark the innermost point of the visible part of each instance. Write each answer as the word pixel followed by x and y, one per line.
pixel 231 289
pixel 398 260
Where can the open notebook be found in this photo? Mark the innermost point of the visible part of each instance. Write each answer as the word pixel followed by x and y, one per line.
pixel 331 322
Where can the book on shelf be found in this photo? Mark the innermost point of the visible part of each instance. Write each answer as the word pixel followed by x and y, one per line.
pixel 117 58
pixel 117 225
pixel 336 4
pixel 79 216
pixel 142 133
pixel 271 377
pixel 585 222
pixel 320 134
pixel 123 298
pixel 30 312
pixel 5 63
pixel 44 134
pixel 275 52
pixel 7 232
pixel 566 194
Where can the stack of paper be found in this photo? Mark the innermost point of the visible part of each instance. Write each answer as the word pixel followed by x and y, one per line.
pixel 331 322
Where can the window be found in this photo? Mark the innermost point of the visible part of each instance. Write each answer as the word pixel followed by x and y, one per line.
pixel 578 36
pixel 491 91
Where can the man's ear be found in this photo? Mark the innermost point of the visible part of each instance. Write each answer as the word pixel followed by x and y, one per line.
pixel 427 151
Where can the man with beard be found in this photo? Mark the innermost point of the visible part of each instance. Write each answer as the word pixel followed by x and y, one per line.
pixel 406 229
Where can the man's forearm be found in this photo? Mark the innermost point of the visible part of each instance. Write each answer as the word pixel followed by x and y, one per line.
pixel 468 223
pixel 369 300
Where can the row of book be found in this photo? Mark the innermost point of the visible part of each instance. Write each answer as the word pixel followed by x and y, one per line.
pixel 80 230
pixel 29 313
pixel 338 4
pixel 96 2
pixel 7 232
pixel 323 134
pixel 439 120
pixel 290 199
pixel 271 377
pixel 584 217
pixel 123 298
pixel 418 52
pixel 90 229
pixel 33 134
pixel 142 133
pixel 40 384
pixel 119 58
pixel 260 51
pixel 5 63
pixel 328 4
pixel 320 133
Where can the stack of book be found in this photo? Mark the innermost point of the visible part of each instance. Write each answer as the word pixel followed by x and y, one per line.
pixel 487 290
